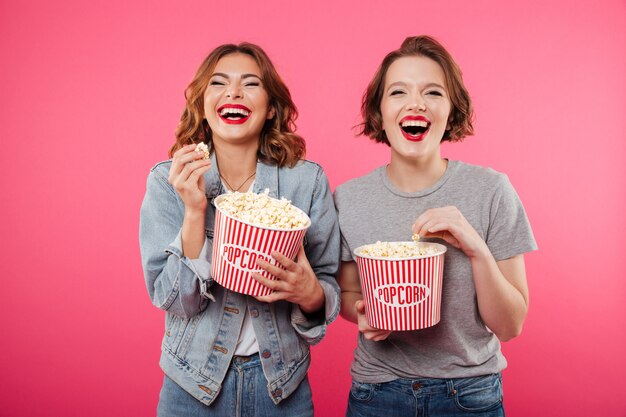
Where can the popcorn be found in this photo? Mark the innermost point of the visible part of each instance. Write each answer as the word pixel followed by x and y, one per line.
pixel 415 237
pixel 202 147
pixel 400 250
pixel 263 210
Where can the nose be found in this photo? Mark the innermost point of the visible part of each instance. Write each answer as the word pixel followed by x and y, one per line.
pixel 416 103
pixel 234 90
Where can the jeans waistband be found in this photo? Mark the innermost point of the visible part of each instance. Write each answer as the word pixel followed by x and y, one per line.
pixel 435 385
pixel 243 362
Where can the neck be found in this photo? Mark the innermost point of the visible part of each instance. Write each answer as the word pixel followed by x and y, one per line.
pixel 236 165
pixel 236 161
pixel 411 175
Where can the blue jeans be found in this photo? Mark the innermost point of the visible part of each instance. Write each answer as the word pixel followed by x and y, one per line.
pixel 244 393
pixel 478 396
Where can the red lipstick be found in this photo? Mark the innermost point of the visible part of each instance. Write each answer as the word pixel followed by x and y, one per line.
pixel 422 122
pixel 234 114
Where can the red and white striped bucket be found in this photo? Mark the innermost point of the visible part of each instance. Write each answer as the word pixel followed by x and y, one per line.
pixel 402 294
pixel 237 245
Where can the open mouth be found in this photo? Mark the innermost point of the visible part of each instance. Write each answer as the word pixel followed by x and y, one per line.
pixel 414 128
pixel 234 113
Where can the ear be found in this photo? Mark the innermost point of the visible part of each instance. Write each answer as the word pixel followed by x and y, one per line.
pixel 450 120
pixel 271 113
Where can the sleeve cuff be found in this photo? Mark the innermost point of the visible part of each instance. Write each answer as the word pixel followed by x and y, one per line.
pixel 313 327
pixel 200 267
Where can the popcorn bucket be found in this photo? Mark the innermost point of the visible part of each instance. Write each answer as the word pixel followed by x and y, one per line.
pixel 238 244
pixel 402 293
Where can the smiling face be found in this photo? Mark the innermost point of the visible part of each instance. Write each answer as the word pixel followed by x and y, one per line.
pixel 236 104
pixel 415 107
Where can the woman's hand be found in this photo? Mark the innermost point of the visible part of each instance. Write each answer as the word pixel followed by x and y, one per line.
pixel 187 177
pixel 296 283
pixel 369 332
pixel 501 289
pixel 449 224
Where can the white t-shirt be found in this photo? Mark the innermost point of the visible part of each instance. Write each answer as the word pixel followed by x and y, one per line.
pixel 247 344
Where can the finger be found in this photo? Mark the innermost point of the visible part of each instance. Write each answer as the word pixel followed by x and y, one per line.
pixel 190 167
pixel 197 176
pixel 189 179
pixel 185 149
pixel 272 284
pixel 287 263
pixel 302 258
pixel 271 298
pixel 422 219
pixel 439 229
pixel 186 154
pixel 182 166
pixel 360 307
pixel 368 335
pixel 443 232
pixel 433 228
pixel 435 235
pixel 417 226
pixel 275 270
pixel 374 334
pixel 176 166
pixel 381 335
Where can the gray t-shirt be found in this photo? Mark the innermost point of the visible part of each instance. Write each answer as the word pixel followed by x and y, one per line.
pixel 370 209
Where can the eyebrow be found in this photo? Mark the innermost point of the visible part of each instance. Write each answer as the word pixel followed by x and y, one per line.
pixel 243 76
pixel 403 84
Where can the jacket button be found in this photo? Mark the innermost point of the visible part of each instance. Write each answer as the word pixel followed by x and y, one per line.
pixel 266 354
pixel 254 312
pixel 417 386
pixel 277 392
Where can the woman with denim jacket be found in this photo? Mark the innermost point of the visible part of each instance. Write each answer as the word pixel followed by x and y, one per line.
pixel 416 100
pixel 226 353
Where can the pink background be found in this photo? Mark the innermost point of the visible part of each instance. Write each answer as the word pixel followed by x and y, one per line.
pixel 91 93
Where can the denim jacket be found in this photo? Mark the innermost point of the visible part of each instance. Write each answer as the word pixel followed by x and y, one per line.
pixel 203 319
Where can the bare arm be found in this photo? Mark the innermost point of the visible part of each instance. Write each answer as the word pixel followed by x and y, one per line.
pixel 348 281
pixel 502 294
pixel 352 305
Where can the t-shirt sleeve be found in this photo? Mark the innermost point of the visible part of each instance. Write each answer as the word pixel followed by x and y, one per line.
pixel 509 231
pixel 346 253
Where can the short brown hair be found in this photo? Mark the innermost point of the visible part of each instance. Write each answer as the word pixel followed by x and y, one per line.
pixel 279 144
pixel 461 114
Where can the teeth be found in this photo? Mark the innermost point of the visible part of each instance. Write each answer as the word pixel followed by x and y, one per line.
pixel 419 123
pixel 231 110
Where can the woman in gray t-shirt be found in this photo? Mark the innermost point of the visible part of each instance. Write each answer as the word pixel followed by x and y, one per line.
pixel 415 101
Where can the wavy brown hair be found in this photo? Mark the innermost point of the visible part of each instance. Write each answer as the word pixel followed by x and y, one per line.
pixel 279 145
pixel 461 114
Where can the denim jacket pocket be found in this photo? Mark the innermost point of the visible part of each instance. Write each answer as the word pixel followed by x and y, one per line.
pixel 481 393
pixel 178 333
pixel 173 333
